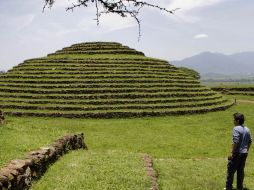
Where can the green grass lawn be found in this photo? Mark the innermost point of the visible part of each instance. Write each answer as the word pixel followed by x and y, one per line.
pixel 189 151
pixel 198 174
pixel 108 170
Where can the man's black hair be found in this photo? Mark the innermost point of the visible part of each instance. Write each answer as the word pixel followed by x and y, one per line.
pixel 239 117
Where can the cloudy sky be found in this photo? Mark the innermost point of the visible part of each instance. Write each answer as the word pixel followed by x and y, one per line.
pixel 224 26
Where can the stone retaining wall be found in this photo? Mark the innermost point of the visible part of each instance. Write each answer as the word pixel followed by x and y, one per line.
pixel 18 174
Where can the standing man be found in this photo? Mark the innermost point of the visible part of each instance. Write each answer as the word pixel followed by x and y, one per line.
pixel 241 142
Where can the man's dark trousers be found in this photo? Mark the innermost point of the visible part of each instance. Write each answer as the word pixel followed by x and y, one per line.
pixel 237 163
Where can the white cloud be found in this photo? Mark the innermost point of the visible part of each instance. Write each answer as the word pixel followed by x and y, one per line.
pixel 187 5
pixel 25 21
pixel 186 13
pixel 200 36
pixel 53 30
pixel 107 23
pixel 115 22
pixel 17 23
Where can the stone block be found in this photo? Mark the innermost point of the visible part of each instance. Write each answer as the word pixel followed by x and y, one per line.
pixel 24 180
pixel 6 184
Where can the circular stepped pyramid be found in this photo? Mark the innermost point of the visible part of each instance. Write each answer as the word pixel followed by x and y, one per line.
pixel 103 80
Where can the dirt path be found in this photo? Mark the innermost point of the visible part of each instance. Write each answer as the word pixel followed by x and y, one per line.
pixel 245 101
pixel 151 172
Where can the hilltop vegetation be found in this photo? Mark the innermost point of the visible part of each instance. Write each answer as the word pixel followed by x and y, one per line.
pixel 191 72
pixel 103 80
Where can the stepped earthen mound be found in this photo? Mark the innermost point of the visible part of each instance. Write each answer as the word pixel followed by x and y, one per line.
pixel 103 80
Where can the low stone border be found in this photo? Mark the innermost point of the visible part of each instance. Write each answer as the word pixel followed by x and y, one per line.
pixel 151 172
pixel 18 174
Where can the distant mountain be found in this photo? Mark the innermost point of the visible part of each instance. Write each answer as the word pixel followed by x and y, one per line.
pixel 244 57
pixel 215 65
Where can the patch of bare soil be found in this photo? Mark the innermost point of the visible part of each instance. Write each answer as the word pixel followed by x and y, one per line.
pixel 151 172
pixel 245 101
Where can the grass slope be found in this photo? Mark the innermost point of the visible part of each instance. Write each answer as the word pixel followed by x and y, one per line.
pixel 189 151
pixel 114 170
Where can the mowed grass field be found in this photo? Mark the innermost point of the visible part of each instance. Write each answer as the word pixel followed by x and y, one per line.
pixel 190 151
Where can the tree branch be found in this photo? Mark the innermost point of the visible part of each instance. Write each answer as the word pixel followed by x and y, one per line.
pixel 122 8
